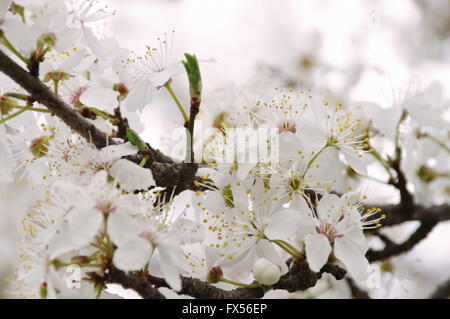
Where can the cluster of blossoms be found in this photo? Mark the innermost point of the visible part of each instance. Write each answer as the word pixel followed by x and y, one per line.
pixel 97 209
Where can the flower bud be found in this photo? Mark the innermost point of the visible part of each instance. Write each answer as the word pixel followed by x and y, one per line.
pixel 43 290
pixel 135 140
pixel 193 73
pixel 426 174
pixel 122 89
pixel 214 274
pixel 266 272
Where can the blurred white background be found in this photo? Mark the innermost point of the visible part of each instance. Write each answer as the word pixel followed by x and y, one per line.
pixel 389 42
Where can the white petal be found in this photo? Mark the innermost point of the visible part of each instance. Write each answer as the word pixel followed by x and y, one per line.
pixel 168 266
pixel 307 226
pixel 352 257
pixel 358 164
pixel 328 208
pixel 313 136
pixel 121 226
pixel 133 255
pixel 140 96
pixel 92 42
pixel 290 144
pixel 131 176
pixel 318 250
pixel 158 79
pixel 266 250
pixel 73 61
pixel 240 196
pixel 74 195
pixel 100 98
pixel 84 224
pixel 299 204
pixel 117 151
pixel 357 236
pixel 20 35
pixel 214 202
pixel 244 169
pixel 283 224
pixel 6 160
pixel 188 231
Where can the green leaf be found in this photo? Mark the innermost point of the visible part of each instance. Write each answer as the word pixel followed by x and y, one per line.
pixel 135 140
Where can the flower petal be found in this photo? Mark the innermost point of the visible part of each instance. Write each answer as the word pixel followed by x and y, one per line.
pixel 133 255
pixel 100 98
pixel 328 208
pixel 318 250
pixel 131 176
pixel 84 224
pixel 121 226
pixel 168 266
pixel 283 224
pixel 352 257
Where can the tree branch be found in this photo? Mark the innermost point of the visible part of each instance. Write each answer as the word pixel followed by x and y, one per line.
pixel 357 293
pixel 442 292
pixel 299 277
pixel 392 249
pixel 130 280
pixel 165 171
pixel 397 214
pixel 181 176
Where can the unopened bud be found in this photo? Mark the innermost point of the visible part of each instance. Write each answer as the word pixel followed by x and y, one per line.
pixel 122 89
pixel 43 290
pixel 426 174
pixel 266 272
pixel 195 79
pixel 135 140
pixel 214 274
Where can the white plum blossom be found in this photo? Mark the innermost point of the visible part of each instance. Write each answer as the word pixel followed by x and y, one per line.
pixel 336 225
pixel 339 130
pixel 153 237
pixel 151 72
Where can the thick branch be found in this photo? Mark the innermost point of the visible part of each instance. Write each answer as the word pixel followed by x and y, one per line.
pixel 166 173
pixel 357 293
pixel 138 284
pixel 442 292
pixel 299 277
pixel 392 249
pixel 397 214
pixel 406 199
pixel 42 94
